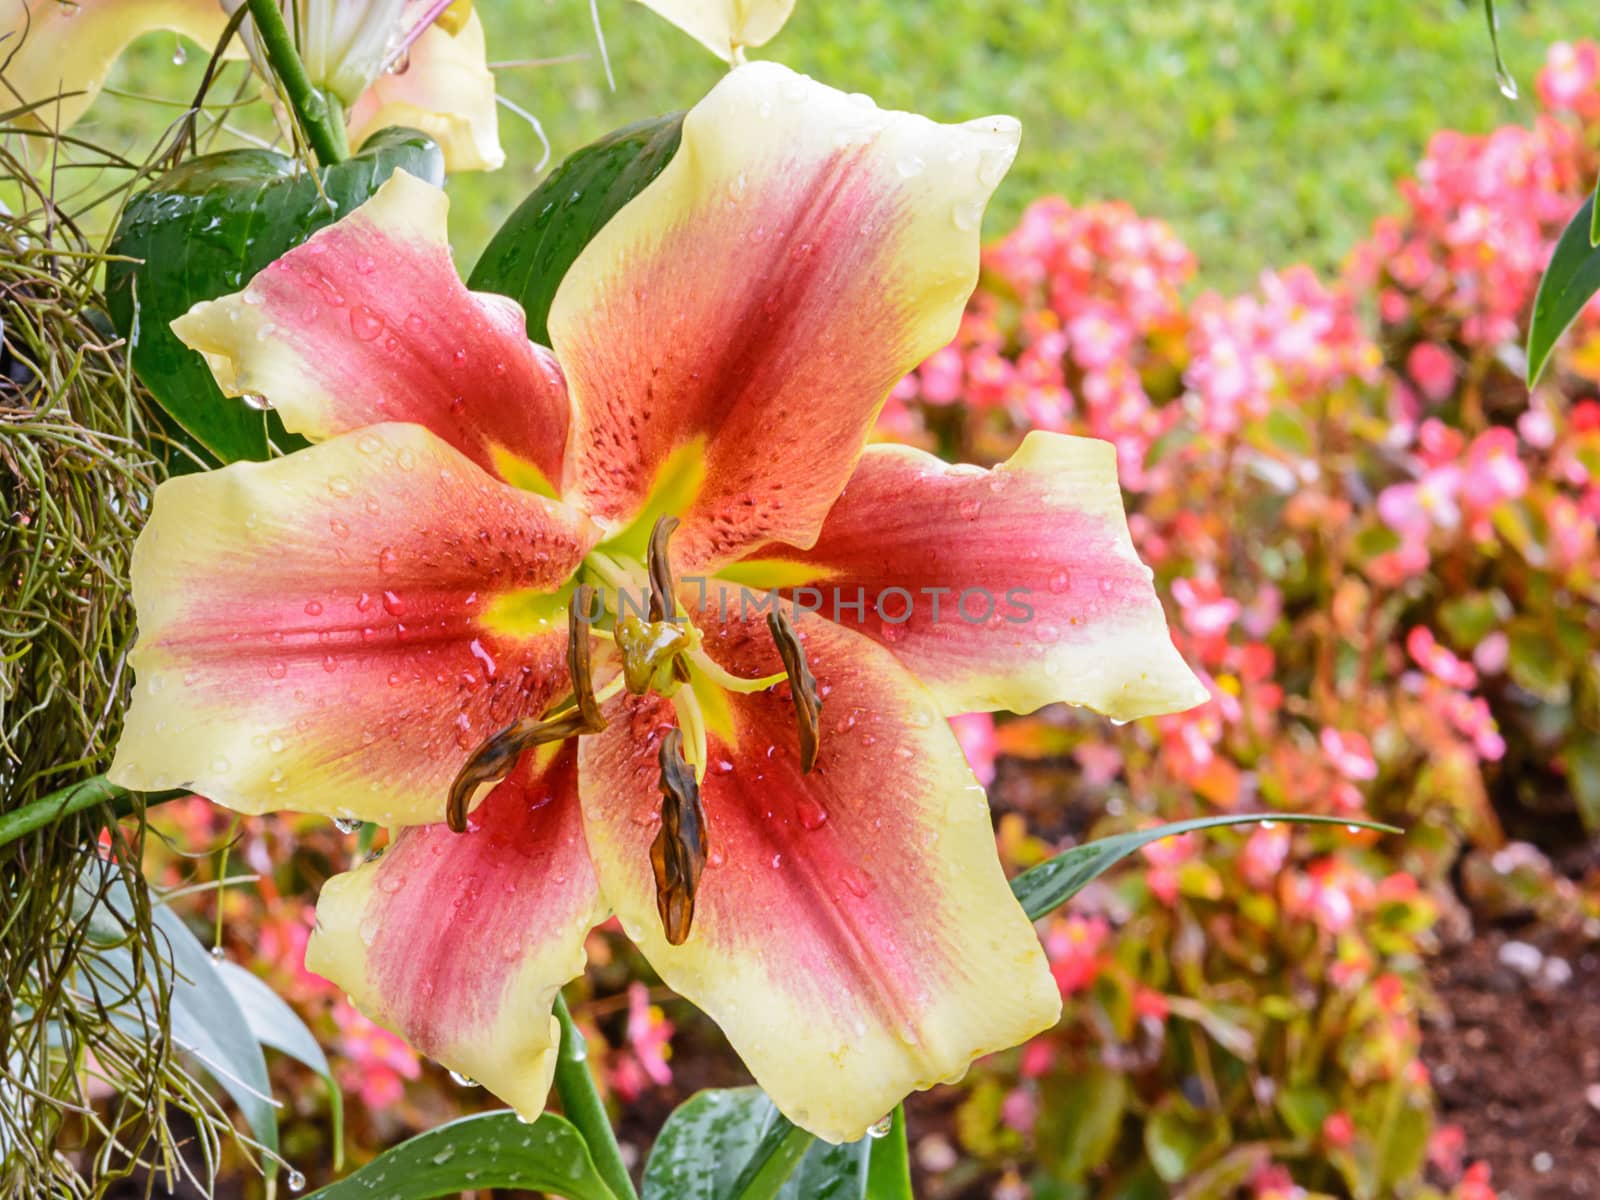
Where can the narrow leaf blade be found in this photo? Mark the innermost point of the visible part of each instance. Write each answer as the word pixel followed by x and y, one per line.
pixel 1056 881
pixel 1572 277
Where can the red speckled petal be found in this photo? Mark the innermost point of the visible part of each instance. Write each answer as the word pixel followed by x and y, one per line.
pixel 459 942
pixel 853 935
pixel 801 252
pixel 1001 589
pixel 333 631
pixel 368 322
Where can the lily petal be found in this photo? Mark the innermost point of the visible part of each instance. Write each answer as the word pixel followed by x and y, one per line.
pixel 459 942
pixel 802 250
pixel 853 933
pixel 50 48
pixel 1003 589
pixel 329 632
pixel 446 91
pixel 369 322
pixel 725 27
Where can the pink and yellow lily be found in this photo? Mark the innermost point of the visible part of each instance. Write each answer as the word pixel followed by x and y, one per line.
pixel 774 806
pixel 420 63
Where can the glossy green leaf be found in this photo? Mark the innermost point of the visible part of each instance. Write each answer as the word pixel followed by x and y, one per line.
pixel 1080 1119
pixel 889 1169
pixel 529 255
pixel 275 1024
pixel 1572 277
pixel 1057 880
pixel 727 1144
pixel 490 1150
pixel 203 230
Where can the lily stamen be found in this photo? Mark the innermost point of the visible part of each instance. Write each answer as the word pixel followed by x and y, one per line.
pixel 497 756
pixel 678 854
pixel 802 685
pixel 663 604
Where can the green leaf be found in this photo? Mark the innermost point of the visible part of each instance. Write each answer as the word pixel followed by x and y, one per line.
pixel 489 1150
pixel 727 1144
pixel 529 255
pixel 1057 880
pixel 273 1023
pixel 1583 776
pixel 203 230
pixel 1080 1120
pixel 1179 1138
pixel 1572 277
pixel 889 1169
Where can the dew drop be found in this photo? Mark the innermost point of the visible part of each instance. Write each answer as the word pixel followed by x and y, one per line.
pixel 347 824
pixel 1269 824
pixel 365 324
pixel 970 507
pixel 881 1127
pixel 297 1181
pixel 393 604
pixel 277 670
pixel 967 215
pixel 180 54
pixel 1060 581
pixel 812 815
pixel 461 1080
pixel 313 608
pixel 388 560
pixel 256 401
pixel 218 954
pixel 910 166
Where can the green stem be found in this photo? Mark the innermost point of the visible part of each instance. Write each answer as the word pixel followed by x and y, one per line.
pixel 322 122
pixel 581 1105
pixel 74 798
pixel 889 1167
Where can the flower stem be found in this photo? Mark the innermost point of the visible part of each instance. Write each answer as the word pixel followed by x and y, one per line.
pixel 320 115
pixel 581 1105
pixel 74 798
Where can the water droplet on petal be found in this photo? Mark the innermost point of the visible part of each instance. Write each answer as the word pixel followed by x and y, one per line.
pixel 1060 581
pixel 297 1181
pixel 256 401
pixel 460 1080
pixel 218 954
pixel 967 215
pixel 881 1127
pixel 365 324
pixel 347 824
pixel 812 815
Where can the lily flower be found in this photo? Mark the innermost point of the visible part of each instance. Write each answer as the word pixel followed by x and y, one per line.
pixel 767 793
pixel 420 63
pixel 725 27
pixel 65 48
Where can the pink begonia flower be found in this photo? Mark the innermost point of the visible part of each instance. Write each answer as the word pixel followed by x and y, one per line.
pixel 1020 1109
pixel 358 626
pixel 378 1063
pixel 1438 661
pixel 1350 753
pixel 1074 945
pixel 975 732
pixel 1433 369
pixel 1264 854
pixel 1491 653
pixel 642 1059
pixel 1164 857
pixel 1570 80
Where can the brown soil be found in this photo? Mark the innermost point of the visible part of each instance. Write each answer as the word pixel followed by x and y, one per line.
pixel 1515 1055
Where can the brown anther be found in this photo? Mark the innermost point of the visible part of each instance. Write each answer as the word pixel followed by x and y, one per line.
pixel 663 604
pixel 802 686
pixel 678 854
pixel 497 756
pixel 578 617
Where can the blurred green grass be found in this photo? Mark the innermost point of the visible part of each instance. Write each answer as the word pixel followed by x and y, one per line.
pixel 1265 131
